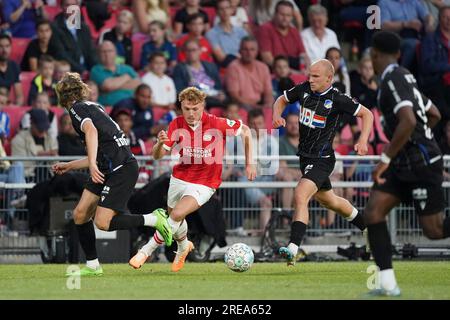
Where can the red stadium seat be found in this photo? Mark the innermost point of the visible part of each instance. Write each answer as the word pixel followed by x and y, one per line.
pixel 211 12
pixel 15 115
pixel 18 48
pixel 52 12
pixel 298 78
pixel 217 111
pixel 25 78
pixel 137 49
pixel 94 33
pixel 158 113
pixel 268 117
pixel 244 115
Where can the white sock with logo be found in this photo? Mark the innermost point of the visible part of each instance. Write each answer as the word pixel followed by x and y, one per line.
pixel 387 279
pixel 149 247
pixel 181 236
pixel 293 248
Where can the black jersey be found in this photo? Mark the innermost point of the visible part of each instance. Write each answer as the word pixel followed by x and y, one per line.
pixel 113 147
pixel 320 116
pixel 398 89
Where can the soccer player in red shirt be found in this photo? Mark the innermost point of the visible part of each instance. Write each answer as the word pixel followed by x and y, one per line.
pixel 199 138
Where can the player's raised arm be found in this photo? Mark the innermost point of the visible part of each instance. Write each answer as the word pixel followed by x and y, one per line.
pixel 278 108
pixel 159 150
pixel 250 167
pixel 367 119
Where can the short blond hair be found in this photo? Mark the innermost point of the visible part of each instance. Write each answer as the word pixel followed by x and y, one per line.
pixel 192 95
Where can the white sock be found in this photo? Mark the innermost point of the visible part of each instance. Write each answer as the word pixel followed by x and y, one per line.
pixel 93 264
pixel 174 224
pixel 149 247
pixel 293 248
pixel 387 279
pixel 353 215
pixel 181 236
pixel 149 220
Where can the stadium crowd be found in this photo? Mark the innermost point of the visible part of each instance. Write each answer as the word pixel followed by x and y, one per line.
pixel 138 54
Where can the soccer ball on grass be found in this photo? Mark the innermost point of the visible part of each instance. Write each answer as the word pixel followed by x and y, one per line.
pixel 239 257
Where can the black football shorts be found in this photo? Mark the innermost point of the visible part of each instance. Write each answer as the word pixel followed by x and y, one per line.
pixel 318 170
pixel 422 187
pixel 118 187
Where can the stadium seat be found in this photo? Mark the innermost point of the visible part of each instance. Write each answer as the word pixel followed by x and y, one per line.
pixel 15 115
pixel 244 115
pixel 52 12
pixel 158 113
pixel 268 117
pixel 109 24
pixel 211 12
pixel 25 78
pixel 217 111
pixel 18 48
pixel 298 78
pixel 137 49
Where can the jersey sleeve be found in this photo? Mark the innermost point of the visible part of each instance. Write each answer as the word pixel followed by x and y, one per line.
pixel 229 127
pixel 170 133
pixel 80 113
pixel 399 92
pixel 295 93
pixel 347 104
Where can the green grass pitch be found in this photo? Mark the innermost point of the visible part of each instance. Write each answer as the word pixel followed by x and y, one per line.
pixel 325 280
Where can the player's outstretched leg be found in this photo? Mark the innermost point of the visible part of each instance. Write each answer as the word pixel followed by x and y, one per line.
pixel 184 247
pixel 303 193
pixel 379 205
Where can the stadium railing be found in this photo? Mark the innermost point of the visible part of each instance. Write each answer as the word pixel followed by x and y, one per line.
pixel 353 181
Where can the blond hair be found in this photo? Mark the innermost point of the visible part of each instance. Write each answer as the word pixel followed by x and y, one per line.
pixel 71 89
pixel 192 95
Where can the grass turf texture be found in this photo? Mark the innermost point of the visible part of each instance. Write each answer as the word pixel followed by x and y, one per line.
pixel 334 280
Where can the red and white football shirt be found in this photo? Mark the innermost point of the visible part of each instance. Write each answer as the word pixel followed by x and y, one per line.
pixel 201 149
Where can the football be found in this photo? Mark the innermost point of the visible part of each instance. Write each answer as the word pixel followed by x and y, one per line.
pixel 239 257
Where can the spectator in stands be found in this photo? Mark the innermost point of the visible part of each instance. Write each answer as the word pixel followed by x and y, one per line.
pixel 409 19
pixel 363 83
pixel 4 25
pixel 11 173
pixel 121 37
pixel 61 67
pixel 93 91
pixel 196 27
pixel 78 48
pixel 163 88
pixel 43 44
pixel 278 37
pixel 44 81
pixel 435 65
pixel 289 170
pixel 35 142
pixel 201 74
pixel 266 145
pixel 181 17
pixel 239 17
pixel 224 37
pixel 168 117
pixel 341 79
pixel 146 11
pixel 262 11
pixel 5 126
pixel 141 109
pixel 9 70
pixel 124 118
pixel 318 38
pixel 248 80
pixel 434 6
pixel 158 43
pixel 22 16
pixel 42 102
pixel 69 142
pixel 116 81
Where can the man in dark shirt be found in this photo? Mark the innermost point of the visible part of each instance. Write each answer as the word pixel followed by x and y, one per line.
pixel 69 143
pixel 321 107
pixel 411 165
pixel 9 70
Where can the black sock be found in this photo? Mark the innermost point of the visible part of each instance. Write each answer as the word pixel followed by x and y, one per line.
pixel 380 245
pixel 298 230
pixel 446 231
pixel 358 222
pixel 86 234
pixel 125 222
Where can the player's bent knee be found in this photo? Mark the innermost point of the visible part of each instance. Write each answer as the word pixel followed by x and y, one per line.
pixel 80 216
pixel 102 224
pixel 177 214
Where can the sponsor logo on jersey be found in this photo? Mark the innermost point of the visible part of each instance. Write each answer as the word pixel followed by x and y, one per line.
pixel 310 119
pixel 328 104
pixel 197 152
pixel 122 141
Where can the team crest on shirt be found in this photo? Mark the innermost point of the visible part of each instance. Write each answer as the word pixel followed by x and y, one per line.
pixel 328 104
pixel 231 123
pixel 310 119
